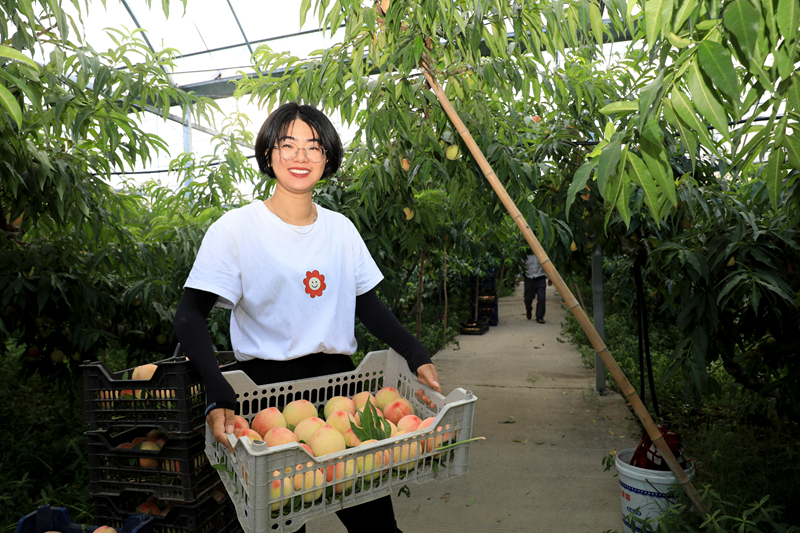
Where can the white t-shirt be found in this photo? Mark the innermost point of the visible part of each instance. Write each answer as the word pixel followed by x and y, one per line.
pixel 291 294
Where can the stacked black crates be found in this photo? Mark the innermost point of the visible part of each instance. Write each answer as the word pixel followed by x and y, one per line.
pixel 128 474
pixel 485 300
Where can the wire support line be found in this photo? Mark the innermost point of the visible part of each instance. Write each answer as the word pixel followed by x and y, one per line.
pixel 160 171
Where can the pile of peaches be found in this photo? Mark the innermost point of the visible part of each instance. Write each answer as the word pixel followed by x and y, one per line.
pixel 342 423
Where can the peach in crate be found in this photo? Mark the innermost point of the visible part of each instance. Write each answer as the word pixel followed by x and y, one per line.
pixel 343 477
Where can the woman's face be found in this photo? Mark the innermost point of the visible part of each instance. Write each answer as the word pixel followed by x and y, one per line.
pixel 301 174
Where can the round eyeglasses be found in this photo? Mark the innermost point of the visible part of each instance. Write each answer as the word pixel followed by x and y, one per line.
pixel 288 151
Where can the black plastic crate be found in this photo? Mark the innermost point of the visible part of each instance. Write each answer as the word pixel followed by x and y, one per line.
pixel 489 315
pixel 48 518
pixel 179 471
pixel 474 328
pixel 206 515
pixel 487 298
pixel 173 400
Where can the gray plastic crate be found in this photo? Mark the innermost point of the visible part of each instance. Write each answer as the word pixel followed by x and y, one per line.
pixel 250 471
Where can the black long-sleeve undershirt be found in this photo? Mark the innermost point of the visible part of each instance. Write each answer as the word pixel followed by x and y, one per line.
pixel 192 332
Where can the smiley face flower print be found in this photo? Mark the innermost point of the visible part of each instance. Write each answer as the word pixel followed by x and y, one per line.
pixel 315 283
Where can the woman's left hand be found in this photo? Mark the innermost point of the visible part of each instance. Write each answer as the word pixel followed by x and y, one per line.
pixel 427 374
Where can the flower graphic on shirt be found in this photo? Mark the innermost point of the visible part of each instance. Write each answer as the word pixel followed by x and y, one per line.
pixel 315 283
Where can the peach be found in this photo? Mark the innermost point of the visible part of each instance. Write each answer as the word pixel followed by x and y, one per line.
pixel 240 423
pixel 339 403
pixel 342 470
pixel 361 398
pixel 403 456
pixel 340 420
pixel 143 372
pixel 372 463
pixel 433 442
pixel 278 436
pixel 408 423
pixel 148 462
pixel 385 396
pixel 397 410
pixel 267 419
pixel 105 529
pixel 350 438
pixel 297 411
pixel 309 480
pixel 326 440
pixel 149 508
pixel 125 446
pixel 250 434
pixel 275 491
pixel 155 435
pixel 307 427
pixel 171 465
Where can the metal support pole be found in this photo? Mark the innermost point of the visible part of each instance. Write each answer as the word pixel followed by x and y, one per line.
pixel 599 317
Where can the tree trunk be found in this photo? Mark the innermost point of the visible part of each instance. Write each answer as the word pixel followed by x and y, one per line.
pixel 419 293
pixel 444 317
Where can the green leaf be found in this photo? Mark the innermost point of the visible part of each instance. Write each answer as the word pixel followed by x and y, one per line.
pixel 612 192
pixel 608 161
pixel 792 145
pixel 685 110
pixel 772 175
pixel 596 19
pixel 648 97
pixel 579 181
pixel 718 66
pixel 687 137
pixel 623 107
pixel 706 101
pixel 642 177
pixel 793 93
pixel 742 19
pixel 11 105
pixel 624 200
pixel 656 158
pixel 653 19
pixel 683 14
pixel 788 16
pixel 12 53
pixel 678 42
pixel 304 6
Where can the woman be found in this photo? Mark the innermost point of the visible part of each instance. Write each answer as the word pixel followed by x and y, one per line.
pixel 295 276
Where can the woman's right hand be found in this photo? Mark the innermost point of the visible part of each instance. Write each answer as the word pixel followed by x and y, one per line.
pixel 221 422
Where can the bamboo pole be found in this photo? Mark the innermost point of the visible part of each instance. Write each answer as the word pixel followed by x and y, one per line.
pixel 627 389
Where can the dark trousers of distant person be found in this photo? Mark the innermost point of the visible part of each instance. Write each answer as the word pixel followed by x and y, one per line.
pixel 535 288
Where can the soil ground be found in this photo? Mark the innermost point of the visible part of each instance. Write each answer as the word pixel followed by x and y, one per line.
pixel 541 473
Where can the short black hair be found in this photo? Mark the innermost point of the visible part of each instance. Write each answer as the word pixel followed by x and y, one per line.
pixel 277 124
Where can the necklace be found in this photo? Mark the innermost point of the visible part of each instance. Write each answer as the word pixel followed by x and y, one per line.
pixel 289 225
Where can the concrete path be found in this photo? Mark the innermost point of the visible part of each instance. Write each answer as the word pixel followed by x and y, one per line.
pixel 543 472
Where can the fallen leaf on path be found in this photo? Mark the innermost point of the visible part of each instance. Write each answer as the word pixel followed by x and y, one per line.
pixel 509 421
pixel 470 503
pixel 611 432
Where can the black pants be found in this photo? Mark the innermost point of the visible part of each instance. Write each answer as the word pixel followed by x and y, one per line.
pixel 374 516
pixel 535 288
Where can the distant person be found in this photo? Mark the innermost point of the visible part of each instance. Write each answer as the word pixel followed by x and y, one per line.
pixel 535 287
